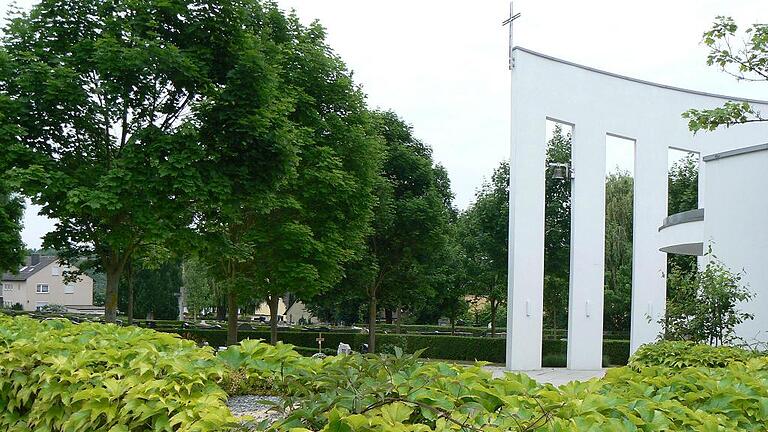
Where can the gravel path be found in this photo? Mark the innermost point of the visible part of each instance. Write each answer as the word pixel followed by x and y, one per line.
pixel 257 407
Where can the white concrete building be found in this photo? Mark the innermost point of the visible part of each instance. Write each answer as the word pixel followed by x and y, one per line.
pixel 598 104
pixel 40 282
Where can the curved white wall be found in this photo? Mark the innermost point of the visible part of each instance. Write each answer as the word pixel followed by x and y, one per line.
pixel 736 224
pixel 596 103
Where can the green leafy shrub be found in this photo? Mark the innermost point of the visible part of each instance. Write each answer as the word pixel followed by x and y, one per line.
pixel 60 376
pixel 437 347
pixel 684 354
pixel 402 393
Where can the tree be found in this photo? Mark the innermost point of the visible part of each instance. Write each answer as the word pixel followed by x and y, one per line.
pixel 12 249
pixel 557 234
pixel 619 193
pixel 155 291
pixel 452 278
pixel 486 244
pixel 704 308
pixel 684 185
pixel 746 60
pixel 409 222
pixel 107 103
pixel 683 195
pixel 297 236
pixel 201 288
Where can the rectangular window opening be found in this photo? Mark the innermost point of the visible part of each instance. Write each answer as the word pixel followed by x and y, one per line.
pixel 619 209
pixel 557 236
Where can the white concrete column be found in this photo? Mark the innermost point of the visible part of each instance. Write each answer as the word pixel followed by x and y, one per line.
pixel 526 240
pixel 649 265
pixel 585 303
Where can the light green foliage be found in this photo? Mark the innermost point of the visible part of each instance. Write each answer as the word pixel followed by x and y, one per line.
pixel 704 308
pixel 745 60
pixel 402 393
pixel 684 354
pixel 255 367
pixel 58 376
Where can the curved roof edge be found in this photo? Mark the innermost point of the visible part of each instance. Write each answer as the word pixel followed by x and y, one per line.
pixel 624 77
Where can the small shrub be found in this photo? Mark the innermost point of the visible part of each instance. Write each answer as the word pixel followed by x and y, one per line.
pixel 684 354
pixel 554 360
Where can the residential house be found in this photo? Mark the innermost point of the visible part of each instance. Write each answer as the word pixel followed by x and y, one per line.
pixel 40 282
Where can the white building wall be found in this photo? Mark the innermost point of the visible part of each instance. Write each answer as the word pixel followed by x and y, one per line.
pixel 736 225
pixel 25 292
pixel 597 103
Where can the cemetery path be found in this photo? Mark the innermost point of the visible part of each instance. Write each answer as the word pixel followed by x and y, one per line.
pixel 555 376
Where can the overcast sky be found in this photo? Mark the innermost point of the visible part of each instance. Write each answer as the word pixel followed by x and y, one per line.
pixel 442 64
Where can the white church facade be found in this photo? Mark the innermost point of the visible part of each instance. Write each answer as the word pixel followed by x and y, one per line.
pixel 732 214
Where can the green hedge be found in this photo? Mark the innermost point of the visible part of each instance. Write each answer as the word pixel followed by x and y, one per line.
pixel 460 348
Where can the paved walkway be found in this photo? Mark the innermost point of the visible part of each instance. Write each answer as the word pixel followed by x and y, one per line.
pixel 556 376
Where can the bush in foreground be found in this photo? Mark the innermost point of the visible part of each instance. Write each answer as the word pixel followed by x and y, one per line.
pixel 58 376
pixel 402 393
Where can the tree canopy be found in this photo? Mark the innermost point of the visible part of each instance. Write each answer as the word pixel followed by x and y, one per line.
pixel 105 112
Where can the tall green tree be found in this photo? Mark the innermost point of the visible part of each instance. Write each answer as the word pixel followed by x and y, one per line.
pixel 108 102
pixel 12 248
pixel 744 55
pixel 409 223
pixel 200 287
pixel 296 236
pixel 155 291
pixel 487 242
pixel 557 233
pixel 683 185
pixel 619 193
pixel 683 195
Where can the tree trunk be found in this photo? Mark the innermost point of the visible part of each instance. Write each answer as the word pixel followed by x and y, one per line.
pixel 453 324
pixel 110 302
pixel 221 310
pixel 274 302
pixel 399 315
pixel 494 309
pixel 130 305
pixel 231 317
pixel 388 316
pixel 372 324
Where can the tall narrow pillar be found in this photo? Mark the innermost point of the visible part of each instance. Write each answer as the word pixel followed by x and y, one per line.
pixel 585 303
pixel 526 240
pixel 649 265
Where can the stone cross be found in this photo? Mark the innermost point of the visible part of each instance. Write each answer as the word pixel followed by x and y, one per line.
pixel 320 340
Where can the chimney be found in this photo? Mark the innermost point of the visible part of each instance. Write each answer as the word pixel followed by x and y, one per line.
pixel 34 259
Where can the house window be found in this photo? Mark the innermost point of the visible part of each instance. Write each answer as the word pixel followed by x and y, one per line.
pixel 7 287
pixel 42 289
pixel 69 289
pixel 55 271
pixel 40 305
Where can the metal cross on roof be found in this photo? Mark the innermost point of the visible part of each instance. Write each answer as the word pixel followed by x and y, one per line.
pixel 511 21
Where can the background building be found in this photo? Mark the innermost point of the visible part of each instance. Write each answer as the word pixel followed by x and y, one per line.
pixel 41 282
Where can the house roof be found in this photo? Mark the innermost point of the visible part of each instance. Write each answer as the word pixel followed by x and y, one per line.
pixel 28 270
